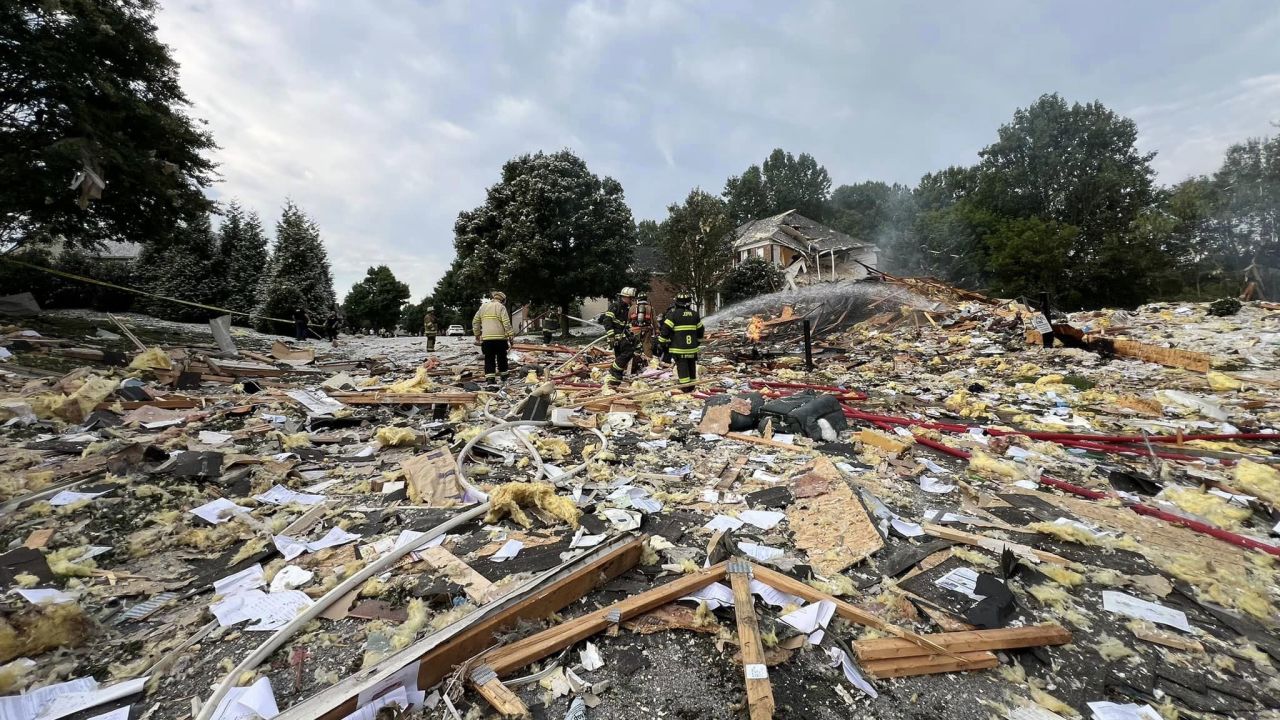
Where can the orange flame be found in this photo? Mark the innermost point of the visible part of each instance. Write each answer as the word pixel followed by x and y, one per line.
pixel 755 329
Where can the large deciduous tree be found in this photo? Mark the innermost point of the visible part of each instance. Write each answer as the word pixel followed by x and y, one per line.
pixel 753 276
pixel 696 239
pixel 245 258
pixel 551 232
pixel 376 300
pixel 299 275
pixel 87 91
pixel 784 182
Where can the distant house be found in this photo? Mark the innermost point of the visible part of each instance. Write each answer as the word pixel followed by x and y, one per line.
pixel 662 294
pixel 806 250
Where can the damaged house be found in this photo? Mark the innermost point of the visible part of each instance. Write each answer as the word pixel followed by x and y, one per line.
pixel 807 250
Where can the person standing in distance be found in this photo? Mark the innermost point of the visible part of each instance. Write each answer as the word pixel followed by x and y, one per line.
pixel 492 328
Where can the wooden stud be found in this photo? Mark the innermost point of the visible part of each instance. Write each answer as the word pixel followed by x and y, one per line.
pixel 930 664
pixel 755 672
pixel 964 642
pixel 507 703
pixel 993 544
pixel 767 443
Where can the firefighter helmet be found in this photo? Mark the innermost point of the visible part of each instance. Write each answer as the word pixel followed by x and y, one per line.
pixel 628 292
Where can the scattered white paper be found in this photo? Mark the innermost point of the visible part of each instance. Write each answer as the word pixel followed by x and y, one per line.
pixel 841 658
pixel 336 536
pixel 508 550
pixel 316 401
pixel 218 511
pixel 246 579
pixel 45 596
pixel 773 596
pixel 289 547
pixel 716 595
pixel 248 703
pixel 71 703
pixel 723 522
pixel 68 497
pixel 1127 711
pixel 763 553
pixel 906 528
pixel 963 580
pixel 369 711
pixel 157 424
pixel 28 705
pixel 209 437
pixel 711 496
pixel 763 476
pixel 763 519
pixel 930 484
pixel 812 619
pixel 1128 605
pixel 582 540
pixel 290 577
pixel 364 452
pixel 932 466
pixel 622 520
pixel 274 610
pixel 117 714
pixel 590 657
pixel 1027 484
pixel 280 495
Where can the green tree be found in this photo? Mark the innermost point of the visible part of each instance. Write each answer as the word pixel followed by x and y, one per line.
pixel 457 297
pixel 753 276
pixel 186 266
pixel 784 182
pixel 85 85
pixel 376 300
pixel 243 247
pixel 879 213
pixel 413 314
pixel 299 275
pixel 550 232
pixel 697 241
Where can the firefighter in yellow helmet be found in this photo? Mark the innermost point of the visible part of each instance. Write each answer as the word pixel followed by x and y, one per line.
pixel 617 332
pixel 680 336
pixel 492 328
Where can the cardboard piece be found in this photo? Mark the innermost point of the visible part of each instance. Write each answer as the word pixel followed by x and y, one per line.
pixel 433 479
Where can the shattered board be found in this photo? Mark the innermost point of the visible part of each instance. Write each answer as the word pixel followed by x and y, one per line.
pixel 832 528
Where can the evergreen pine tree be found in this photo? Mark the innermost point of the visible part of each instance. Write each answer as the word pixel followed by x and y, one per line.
pixel 299 274
pixel 187 267
pixel 245 259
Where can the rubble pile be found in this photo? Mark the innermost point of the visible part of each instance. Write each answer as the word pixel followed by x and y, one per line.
pixel 933 515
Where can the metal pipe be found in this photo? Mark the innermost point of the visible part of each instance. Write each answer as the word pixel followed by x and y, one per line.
pixel 808 345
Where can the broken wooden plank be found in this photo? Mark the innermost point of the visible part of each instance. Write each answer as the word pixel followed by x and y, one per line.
pixel 833 527
pixel 1169 357
pixel 755 673
pixel 520 653
pixel 1171 640
pixel 753 440
pixel 883 442
pixel 930 664
pixel 732 469
pixel 993 544
pixel 485 681
pixel 477 587
pixel 967 641
pixel 385 398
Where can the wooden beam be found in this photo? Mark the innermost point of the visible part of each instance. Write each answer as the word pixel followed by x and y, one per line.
pixel 520 653
pixel 766 443
pixel 962 642
pixel 1169 357
pixel 755 672
pixel 384 398
pixel 849 612
pixel 993 544
pixel 437 655
pixel 929 664
pixel 507 703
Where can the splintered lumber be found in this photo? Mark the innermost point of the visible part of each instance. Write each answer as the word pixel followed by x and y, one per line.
pixel 930 664
pixel 964 642
pixel 754 670
pixel 505 702
pixel 530 347
pixel 849 612
pixel 520 653
pixel 385 398
pixel 1169 357
pixel 732 469
pixel 437 655
pixel 775 444
pixel 127 333
pixel 993 544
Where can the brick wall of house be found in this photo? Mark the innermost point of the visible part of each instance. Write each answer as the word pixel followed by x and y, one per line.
pixel 662 294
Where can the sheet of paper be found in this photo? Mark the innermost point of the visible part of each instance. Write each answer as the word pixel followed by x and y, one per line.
pixel 29 705
pixel 1127 711
pixel 157 424
pixel 582 540
pixel 280 495
pixel 812 619
pixel 117 714
pixel 68 497
pixel 1124 604
pixel 716 595
pixel 723 522
pixel 907 528
pixel 763 553
pixel 236 608
pixel 963 580
pixel 209 437
pixel 509 549
pixel 46 596
pixel 248 703
pixel 930 484
pixel 218 511
pixel 72 703
pixel 841 658
pixel 590 657
pixel 773 596
pixel 932 466
pixel 369 711
pixel 316 401
pixel 290 577
pixel 289 547
pixel 246 579
pixel 763 519
pixel 335 537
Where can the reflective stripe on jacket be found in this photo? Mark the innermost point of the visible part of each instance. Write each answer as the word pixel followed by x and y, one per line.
pixel 681 331
pixel 491 322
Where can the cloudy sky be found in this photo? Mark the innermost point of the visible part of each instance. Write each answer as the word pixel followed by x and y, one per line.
pixel 385 118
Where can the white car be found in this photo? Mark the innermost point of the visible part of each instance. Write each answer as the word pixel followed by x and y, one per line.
pixel 455 330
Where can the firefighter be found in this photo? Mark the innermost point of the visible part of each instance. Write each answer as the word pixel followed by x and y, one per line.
pixel 617 332
pixel 492 328
pixel 680 335
pixel 641 320
pixel 430 329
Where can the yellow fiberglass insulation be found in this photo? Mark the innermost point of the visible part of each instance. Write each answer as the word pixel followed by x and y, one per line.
pixel 296 440
pixel 510 498
pixel 1221 382
pixel 78 405
pixel 989 467
pixel 409 629
pixel 1216 510
pixel 395 436
pixel 152 359
pixel 1061 575
pixel 418 383
pixel 64 562
pixel 552 448
pixel 35 630
pixel 1258 479
pixel 14 676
